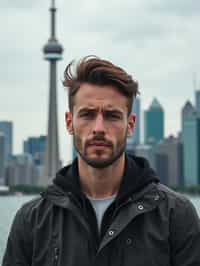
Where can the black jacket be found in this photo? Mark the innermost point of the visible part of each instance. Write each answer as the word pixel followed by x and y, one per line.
pixel 147 225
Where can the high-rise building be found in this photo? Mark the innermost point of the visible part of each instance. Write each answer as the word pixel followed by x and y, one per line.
pixel 52 52
pixel 169 156
pixel 162 167
pixel 2 155
pixel 21 170
pixel 6 127
pixel 197 100
pixel 74 152
pixel 134 140
pixel 191 144
pixel 154 122
pixel 146 151
pixel 36 147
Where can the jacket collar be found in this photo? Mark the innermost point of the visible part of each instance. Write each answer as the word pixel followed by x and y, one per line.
pixel 137 175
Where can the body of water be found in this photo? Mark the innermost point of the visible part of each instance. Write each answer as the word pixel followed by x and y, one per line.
pixel 10 204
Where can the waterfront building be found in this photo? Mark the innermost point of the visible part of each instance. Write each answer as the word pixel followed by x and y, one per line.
pixel 21 170
pixel 146 151
pixel 6 127
pixel 162 167
pixel 134 140
pixel 154 122
pixel 197 100
pixel 191 144
pixel 4 190
pixel 169 161
pixel 52 53
pixel 74 152
pixel 36 147
pixel 2 155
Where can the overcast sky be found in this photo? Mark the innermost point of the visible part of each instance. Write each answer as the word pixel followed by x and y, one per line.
pixel 156 41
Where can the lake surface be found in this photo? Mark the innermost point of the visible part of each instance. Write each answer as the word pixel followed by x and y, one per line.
pixel 10 204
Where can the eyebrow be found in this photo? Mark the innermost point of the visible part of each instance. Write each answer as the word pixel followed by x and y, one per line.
pixel 113 111
pixel 93 109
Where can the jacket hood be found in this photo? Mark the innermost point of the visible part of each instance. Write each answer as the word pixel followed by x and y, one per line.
pixel 137 175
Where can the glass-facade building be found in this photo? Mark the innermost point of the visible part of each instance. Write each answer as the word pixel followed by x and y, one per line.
pixel 35 144
pixel 2 154
pixel 191 144
pixel 154 123
pixel 6 127
pixel 36 147
pixel 169 161
pixel 197 100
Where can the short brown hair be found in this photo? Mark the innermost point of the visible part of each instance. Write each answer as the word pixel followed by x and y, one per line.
pixel 94 70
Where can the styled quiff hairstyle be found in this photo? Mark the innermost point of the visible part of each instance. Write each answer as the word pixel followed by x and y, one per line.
pixel 96 71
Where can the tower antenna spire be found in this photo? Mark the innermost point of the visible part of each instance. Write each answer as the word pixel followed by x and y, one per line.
pixel 53 3
pixel 53 20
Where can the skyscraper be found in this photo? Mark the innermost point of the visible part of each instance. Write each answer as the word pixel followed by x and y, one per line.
pixel 21 170
pixel 191 144
pixel 154 122
pixel 169 161
pixel 52 52
pixel 6 127
pixel 2 154
pixel 197 100
pixel 134 140
pixel 36 147
pixel 146 151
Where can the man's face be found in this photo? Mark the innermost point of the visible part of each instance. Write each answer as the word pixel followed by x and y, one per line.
pixel 99 124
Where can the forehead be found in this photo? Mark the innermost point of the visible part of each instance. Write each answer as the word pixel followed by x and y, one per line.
pixel 95 96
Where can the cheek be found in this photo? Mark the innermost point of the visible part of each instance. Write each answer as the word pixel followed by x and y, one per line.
pixel 120 129
pixel 81 131
pixel 118 133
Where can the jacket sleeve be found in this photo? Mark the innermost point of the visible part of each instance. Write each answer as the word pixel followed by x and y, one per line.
pixel 185 235
pixel 18 250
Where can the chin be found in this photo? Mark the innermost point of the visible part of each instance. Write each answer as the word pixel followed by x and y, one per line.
pixel 100 163
pixel 101 160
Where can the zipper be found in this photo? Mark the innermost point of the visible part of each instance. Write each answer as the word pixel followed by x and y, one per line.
pixel 55 256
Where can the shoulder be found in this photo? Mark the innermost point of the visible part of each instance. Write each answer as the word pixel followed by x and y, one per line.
pixel 30 206
pixel 30 212
pixel 181 211
pixel 174 198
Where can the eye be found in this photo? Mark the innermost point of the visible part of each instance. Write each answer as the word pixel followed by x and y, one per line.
pixel 86 115
pixel 112 116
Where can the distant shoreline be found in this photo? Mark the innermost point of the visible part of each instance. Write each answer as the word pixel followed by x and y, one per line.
pixel 21 190
pixel 24 190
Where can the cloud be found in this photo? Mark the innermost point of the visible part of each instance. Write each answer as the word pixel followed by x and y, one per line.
pixel 20 4
pixel 182 8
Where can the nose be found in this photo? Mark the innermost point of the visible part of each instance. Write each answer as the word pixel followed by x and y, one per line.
pixel 99 125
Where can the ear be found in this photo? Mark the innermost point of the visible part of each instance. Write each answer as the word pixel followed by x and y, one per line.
pixel 68 123
pixel 131 124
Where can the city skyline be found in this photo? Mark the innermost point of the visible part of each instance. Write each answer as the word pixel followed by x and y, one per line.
pixel 169 156
pixel 156 42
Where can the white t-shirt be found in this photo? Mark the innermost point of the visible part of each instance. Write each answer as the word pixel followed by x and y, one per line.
pixel 100 206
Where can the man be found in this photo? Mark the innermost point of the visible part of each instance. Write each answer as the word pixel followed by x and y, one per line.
pixel 106 209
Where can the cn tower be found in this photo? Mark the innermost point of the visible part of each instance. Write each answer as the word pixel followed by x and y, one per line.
pixel 52 52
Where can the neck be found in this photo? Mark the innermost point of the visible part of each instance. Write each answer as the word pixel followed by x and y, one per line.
pixel 101 183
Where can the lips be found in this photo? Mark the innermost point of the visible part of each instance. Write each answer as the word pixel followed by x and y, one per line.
pixel 99 144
